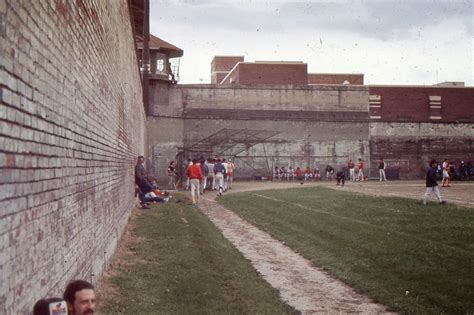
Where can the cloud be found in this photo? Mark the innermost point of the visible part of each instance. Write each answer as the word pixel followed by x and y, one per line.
pixel 392 42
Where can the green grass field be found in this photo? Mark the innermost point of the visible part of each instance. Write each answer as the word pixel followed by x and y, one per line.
pixel 413 258
pixel 183 265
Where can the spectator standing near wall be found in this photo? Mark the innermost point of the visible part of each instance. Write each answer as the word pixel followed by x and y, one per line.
pixel 171 176
pixel 360 175
pixel 141 181
pixel 431 183
pixel 351 166
pixel 195 176
pixel 382 166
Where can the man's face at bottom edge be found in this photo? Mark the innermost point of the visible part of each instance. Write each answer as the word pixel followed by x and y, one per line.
pixel 84 302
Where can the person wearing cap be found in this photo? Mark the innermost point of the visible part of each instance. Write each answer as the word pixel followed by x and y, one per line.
pixel 80 297
pixel 431 183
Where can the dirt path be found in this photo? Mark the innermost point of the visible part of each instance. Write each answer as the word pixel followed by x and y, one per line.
pixel 306 288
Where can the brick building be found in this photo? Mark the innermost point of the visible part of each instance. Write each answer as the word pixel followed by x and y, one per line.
pixel 72 123
pixel 321 118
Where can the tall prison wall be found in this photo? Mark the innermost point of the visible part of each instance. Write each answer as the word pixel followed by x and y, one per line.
pixel 407 147
pixel 71 126
pixel 413 124
pixel 315 125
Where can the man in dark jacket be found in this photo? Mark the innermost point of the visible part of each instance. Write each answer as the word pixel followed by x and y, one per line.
pixel 141 181
pixel 431 184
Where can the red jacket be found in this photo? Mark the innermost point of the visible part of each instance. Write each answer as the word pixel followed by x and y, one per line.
pixel 194 172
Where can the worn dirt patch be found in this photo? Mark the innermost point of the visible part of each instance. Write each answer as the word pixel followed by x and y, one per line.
pixel 123 258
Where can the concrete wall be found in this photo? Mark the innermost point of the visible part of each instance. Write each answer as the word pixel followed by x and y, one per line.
pixel 315 124
pixel 410 125
pixel 71 126
pixel 408 147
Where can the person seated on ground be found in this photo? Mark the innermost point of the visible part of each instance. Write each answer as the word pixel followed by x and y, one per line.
pixel 308 174
pixel 80 297
pixel 316 173
pixel 284 173
pixel 280 173
pixel 329 172
pixel 463 171
pixel 153 197
pixel 452 171
pixel 276 173
pixel 298 173
pixel 291 173
pixel 341 177
pixel 51 306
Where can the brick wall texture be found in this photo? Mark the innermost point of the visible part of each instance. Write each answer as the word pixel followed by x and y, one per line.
pixel 269 74
pixel 409 103
pixel 335 78
pixel 71 126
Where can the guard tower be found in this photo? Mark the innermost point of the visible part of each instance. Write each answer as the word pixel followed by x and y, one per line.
pixel 161 67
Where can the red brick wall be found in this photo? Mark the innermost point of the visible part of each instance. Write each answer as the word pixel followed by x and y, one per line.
pixel 413 104
pixel 329 78
pixel 71 126
pixel 269 73
pixel 217 77
pixel 225 63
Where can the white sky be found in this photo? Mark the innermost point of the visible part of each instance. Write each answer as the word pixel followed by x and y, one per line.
pixel 420 42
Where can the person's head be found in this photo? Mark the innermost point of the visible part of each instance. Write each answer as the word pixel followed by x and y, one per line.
pixel 360 160
pixel 195 161
pixel 80 297
pixel 171 163
pixel 141 159
pixel 433 163
pixel 50 306
pixel 223 160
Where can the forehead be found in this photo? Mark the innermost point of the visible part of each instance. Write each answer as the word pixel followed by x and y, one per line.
pixel 85 294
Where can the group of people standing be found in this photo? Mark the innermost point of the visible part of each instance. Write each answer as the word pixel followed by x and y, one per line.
pixel 201 175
